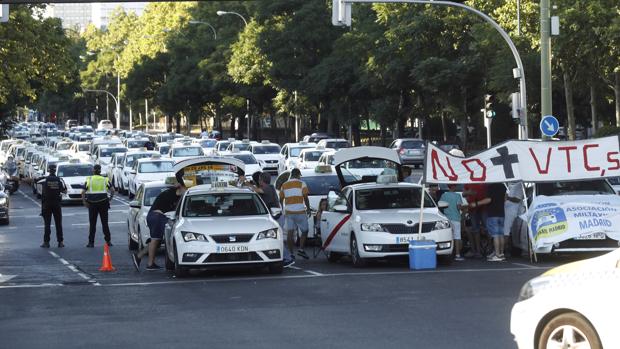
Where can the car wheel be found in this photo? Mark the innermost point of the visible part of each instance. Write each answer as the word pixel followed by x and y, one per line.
pixel 179 270
pixel 132 244
pixel 568 330
pixel 276 268
pixel 333 257
pixel 358 261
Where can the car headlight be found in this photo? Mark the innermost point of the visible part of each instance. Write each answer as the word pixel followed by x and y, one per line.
pixel 267 234
pixel 190 236
pixel 371 227
pixel 2 201
pixel 441 225
pixel 533 287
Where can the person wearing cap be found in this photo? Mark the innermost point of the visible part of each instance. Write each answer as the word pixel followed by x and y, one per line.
pixel 156 220
pixel 95 197
pixel 51 199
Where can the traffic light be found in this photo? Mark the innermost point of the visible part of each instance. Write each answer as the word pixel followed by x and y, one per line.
pixel 489 111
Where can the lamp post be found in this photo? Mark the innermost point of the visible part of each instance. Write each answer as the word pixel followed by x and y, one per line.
pixel 247 100
pixel 205 23
pixel 111 95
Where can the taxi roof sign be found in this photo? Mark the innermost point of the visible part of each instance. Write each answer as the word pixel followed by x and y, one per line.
pixel 323 169
pixel 265 142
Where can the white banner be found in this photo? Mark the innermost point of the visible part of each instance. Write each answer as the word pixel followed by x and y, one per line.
pixel 529 161
pixel 554 219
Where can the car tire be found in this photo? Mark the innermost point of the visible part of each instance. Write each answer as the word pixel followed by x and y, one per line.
pixel 179 270
pixel 133 246
pixel 276 268
pixel 333 257
pixel 169 264
pixel 358 262
pixel 554 330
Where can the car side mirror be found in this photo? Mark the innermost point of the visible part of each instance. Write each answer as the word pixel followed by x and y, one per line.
pixel 275 211
pixel 135 204
pixel 442 204
pixel 132 171
pixel 341 208
pixel 171 215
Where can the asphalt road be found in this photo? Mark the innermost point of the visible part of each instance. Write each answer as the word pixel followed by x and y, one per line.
pixel 52 298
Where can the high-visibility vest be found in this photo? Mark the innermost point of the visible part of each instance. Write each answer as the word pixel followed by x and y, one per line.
pixel 96 185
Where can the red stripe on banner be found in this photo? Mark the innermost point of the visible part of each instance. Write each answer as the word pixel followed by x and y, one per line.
pixel 334 231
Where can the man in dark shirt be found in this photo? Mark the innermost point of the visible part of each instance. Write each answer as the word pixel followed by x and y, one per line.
pixel 156 220
pixel 51 199
pixel 494 202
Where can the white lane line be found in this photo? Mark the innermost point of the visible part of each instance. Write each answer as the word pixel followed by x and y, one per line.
pixel 31 286
pixel 5 278
pixel 120 200
pixel 29 198
pixel 315 273
pixel 74 269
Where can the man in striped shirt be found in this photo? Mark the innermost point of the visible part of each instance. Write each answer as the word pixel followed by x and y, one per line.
pixel 294 199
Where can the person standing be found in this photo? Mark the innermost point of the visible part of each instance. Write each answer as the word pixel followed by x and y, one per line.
pixel 496 193
pixel 456 203
pixel 475 193
pixel 512 205
pixel 294 199
pixel 51 199
pixel 156 220
pixel 95 197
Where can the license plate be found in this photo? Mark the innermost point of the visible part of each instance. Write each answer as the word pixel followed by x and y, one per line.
pixel 232 249
pixel 594 236
pixel 413 152
pixel 405 239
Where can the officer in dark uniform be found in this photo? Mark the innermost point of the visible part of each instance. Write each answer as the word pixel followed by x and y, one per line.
pixel 53 187
pixel 95 197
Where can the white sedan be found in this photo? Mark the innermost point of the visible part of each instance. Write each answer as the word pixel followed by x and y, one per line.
pixel 149 170
pixel 217 226
pixel 74 174
pixel 572 306
pixel 138 231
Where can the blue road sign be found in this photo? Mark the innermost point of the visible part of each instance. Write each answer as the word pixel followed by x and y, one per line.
pixel 549 125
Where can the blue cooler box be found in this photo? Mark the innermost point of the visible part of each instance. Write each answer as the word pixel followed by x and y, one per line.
pixel 422 254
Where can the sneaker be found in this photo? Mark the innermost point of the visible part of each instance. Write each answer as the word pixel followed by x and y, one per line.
pixel 289 262
pixel 153 267
pixel 459 258
pixel 90 245
pixel 302 253
pixel 491 256
pixel 136 261
pixel 61 245
pixel 495 259
pixel 45 245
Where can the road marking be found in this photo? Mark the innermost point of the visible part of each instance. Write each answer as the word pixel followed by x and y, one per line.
pixel 526 265
pixel 5 278
pixel 29 198
pixel 120 200
pixel 75 269
pixel 31 286
pixel 315 273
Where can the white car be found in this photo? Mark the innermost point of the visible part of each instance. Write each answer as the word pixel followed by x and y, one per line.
pixel 80 150
pixel 309 158
pixel 376 216
pixel 327 158
pixel 289 155
pixel 251 164
pixel 222 145
pixel 242 145
pixel 217 226
pixel 64 147
pixel 207 144
pixel 147 170
pixel 333 143
pixel 593 190
pixel 105 125
pixel 268 153
pixel 115 161
pixel 103 156
pixel 180 151
pixel 74 174
pixel 122 174
pixel 136 142
pixel 137 229
pixel 572 306
pixel 44 171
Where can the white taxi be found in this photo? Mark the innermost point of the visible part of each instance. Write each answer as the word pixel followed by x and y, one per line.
pixel 309 158
pixel 137 229
pixel 186 150
pixel 123 172
pixel 207 144
pixel 268 153
pixel 147 170
pixel 251 164
pixel 74 174
pixel 572 306
pixel 217 226
pixel 64 147
pixel 375 216
pixel 289 155
pixel 80 150
pixel 103 156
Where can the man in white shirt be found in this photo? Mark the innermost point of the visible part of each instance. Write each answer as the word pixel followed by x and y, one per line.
pixel 512 205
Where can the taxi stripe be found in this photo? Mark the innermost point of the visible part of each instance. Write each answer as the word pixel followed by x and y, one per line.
pixel 334 231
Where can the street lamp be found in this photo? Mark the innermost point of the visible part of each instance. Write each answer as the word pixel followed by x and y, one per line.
pixel 115 101
pixel 210 26
pixel 247 100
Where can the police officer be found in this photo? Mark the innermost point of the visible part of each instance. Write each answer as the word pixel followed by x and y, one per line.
pixel 53 186
pixel 95 197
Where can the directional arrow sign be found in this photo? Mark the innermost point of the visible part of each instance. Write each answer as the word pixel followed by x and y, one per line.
pixel 549 125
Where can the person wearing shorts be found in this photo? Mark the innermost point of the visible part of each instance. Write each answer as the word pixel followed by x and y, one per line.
pixel 494 202
pixel 294 199
pixel 475 193
pixel 456 203
pixel 156 220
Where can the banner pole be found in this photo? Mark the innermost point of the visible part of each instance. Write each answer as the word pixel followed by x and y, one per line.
pixel 421 211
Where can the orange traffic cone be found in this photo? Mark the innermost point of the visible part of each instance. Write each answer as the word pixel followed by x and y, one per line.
pixel 106 265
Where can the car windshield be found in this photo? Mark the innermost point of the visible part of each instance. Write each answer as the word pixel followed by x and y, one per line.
pixel 265 149
pixel 150 194
pixel 20 151
pixel 85 129
pixel 294 152
pixel 189 151
pixel 241 146
pixel 63 146
pixel 321 185
pixel 207 143
pixel 412 144
pixel 79 170
pixel 337 144
pixel 164 149
pixel 390 198
pixel 52 133
pixel 597 186
pixel 156 166
pixel 83 147
pixel 246 158
pixel 223 205
pixel 223 145
pixel 131 158
pixel 367 169
pixel 614 180
pixel 312 155
pixel 136 144
pixel 107 152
